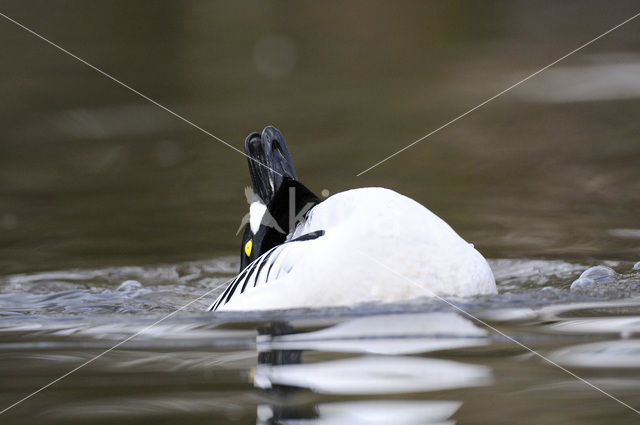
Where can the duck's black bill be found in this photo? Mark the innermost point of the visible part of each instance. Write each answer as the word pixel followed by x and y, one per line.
pixel 269 162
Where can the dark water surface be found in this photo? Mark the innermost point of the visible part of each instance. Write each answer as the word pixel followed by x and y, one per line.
pixel 113 213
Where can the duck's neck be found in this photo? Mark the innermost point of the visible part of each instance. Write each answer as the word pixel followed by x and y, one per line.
pixel 290 204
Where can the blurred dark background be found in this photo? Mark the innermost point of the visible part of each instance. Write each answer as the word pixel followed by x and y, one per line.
pixel 92 175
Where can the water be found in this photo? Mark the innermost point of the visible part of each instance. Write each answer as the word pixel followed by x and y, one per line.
pixel 421 362
pixel 113 214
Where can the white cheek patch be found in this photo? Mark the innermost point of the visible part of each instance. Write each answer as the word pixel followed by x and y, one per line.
pixel 256 212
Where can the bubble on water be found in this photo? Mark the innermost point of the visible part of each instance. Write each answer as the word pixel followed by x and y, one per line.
pixel 583 284
pixel 600 274
pixel 594 278
pixel 636 266
pixel 603 281
pixel 129 285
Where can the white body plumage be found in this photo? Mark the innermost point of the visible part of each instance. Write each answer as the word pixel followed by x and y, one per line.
pixel 377 246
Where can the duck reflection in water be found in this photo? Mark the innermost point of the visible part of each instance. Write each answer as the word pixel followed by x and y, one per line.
pixel 367 370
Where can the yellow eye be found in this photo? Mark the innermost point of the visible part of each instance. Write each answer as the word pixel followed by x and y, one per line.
pixel 247 248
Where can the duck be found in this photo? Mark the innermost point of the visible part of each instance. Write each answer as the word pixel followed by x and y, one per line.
pixel 364 245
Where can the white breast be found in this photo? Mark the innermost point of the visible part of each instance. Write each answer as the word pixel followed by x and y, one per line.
pixel 378 246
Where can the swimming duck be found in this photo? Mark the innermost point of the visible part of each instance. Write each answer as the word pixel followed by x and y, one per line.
pixel 362 245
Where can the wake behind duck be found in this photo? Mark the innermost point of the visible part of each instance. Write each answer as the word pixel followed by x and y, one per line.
pixel 362 245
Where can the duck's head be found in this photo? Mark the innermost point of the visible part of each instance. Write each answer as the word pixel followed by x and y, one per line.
pixel 277 194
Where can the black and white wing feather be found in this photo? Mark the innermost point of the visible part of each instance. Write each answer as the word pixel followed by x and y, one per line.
pixel 261 271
